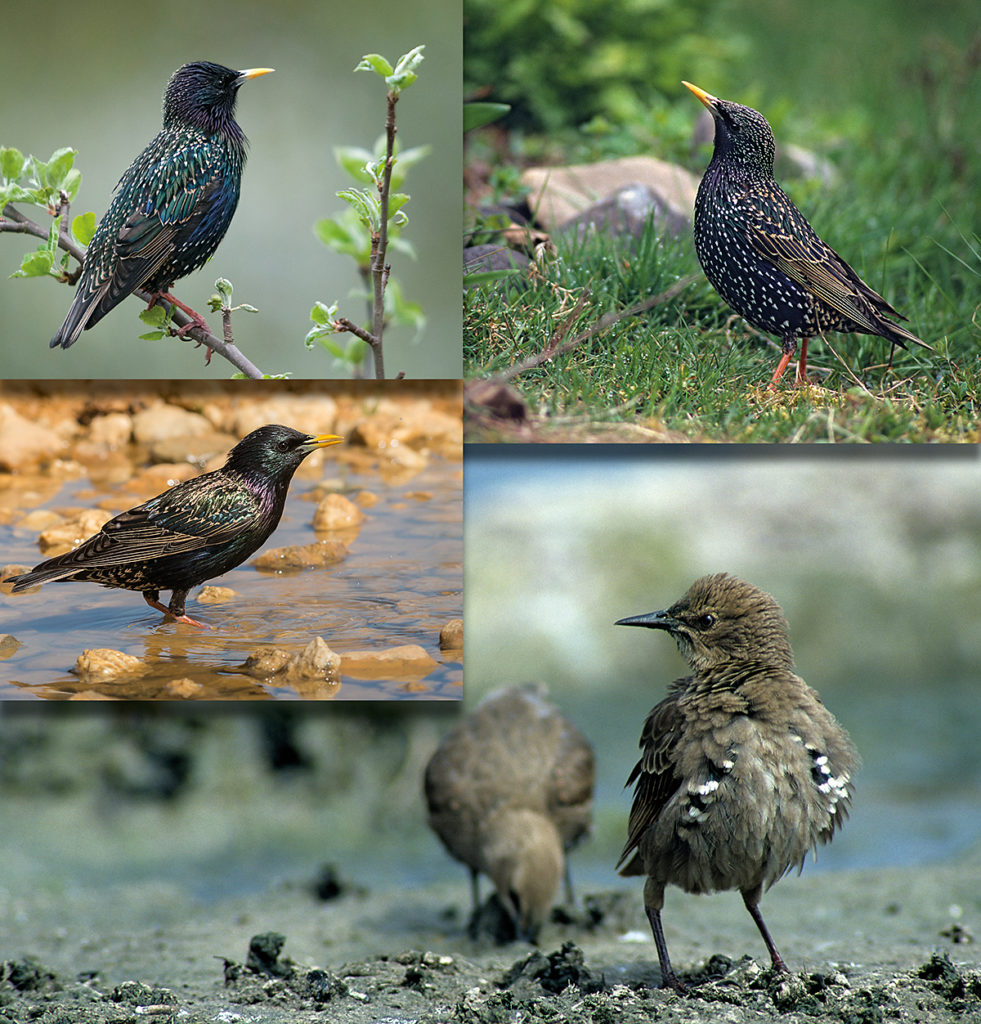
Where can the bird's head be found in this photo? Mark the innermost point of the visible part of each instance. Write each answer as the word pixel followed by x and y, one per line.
pixel 274 451
pixel 524 858
pixel 742 134
pixel 723 620
pixel 203 94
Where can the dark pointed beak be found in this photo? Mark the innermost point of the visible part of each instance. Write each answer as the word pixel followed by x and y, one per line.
pixel 652 620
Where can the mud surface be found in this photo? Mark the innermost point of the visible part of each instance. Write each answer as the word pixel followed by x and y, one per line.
pixel 170 867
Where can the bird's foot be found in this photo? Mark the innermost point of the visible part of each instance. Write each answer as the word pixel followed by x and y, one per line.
pixel 152 598
pixel 197 321
pixel 188 620
pixel 672 981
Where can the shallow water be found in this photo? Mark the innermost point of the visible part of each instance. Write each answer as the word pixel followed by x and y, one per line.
pixel 399 584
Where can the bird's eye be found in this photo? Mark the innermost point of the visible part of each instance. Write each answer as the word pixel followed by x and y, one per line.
pixel 705 621
pixel 284 445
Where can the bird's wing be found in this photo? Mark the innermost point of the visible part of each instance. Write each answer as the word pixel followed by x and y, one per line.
pixel 790 244
pixel 654 774
pixel 181 520
pixel 176 190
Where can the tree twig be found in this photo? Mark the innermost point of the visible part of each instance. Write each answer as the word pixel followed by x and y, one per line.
pixel 13 220
pixel 556 348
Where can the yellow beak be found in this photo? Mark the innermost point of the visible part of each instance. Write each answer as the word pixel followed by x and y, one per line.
pixel 322 440
pixel 706 97
pixel 254 72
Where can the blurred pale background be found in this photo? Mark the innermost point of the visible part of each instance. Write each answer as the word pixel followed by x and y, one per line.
pixel 92 76
pixel 876 563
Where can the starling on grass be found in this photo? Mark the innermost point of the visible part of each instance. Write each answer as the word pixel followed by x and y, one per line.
pixel 743 771
pixel 197 530
pixel 763 257
pixel 509 791
pixel 173 204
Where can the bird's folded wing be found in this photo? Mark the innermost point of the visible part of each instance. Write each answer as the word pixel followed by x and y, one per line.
pixel 815 266
pixel 175 193
pixel 654 774
pixel 176 522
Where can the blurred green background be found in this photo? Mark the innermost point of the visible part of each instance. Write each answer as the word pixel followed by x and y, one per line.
pixel 92 77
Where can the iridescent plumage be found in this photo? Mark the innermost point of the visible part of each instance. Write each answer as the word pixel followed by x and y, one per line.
pixel 197 530
pixel 173 204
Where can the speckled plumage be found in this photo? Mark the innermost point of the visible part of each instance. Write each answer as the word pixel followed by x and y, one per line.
pixel 743 771
pixel 197 530
pixel 509 791
pixel 173 204
pixel 763 257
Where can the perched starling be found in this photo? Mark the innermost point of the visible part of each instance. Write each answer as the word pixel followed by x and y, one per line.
pixel 197 530
pixel 509 791
pixel 763 257
pixel 173 204
pixel 742 770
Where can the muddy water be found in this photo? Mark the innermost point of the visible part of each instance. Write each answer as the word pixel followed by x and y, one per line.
pixel 399 584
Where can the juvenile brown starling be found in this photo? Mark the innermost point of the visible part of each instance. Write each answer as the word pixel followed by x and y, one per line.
pixel 763 257
pixel 509 791
pixel 193 532
pixel 743 771
pixel 174 202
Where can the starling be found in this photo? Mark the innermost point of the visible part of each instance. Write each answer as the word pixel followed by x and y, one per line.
pixel 173 204
pixel 509 791
pixel 743 770
pixel 763 257
pixel 197 530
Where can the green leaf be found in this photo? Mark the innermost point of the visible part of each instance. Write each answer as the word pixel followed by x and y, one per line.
pixel 396 201
pixel 365 204
pixel 35 264
pixel 14 194
pixel 72 183
pixel 83 227
pixel 12 162
pixel 246 308
pixel 374 62
pixel 352 160
pixel 55 170
pixel 476 115
pixel 224 289
pixel 404 74
pixel 323 314
pixel 155 316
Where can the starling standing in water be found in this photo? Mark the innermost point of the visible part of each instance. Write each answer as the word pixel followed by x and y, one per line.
pixel 763 257
pixel 173 204
pixel 509 791
pixel 197 530
pixel 742 770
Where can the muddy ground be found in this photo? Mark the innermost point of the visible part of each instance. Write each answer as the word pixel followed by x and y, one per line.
pixel 143 851
pixel 346 945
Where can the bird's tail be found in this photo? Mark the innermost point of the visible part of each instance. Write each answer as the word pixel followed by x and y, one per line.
pixel 82 308
pixel 898 335
pixel 38 576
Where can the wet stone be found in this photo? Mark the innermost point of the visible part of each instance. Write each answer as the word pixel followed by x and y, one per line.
pixel 335 512
pixel 301 556
pixel 105 663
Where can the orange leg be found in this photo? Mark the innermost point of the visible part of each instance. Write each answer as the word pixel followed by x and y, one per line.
pixel 152 598
pixel 802 363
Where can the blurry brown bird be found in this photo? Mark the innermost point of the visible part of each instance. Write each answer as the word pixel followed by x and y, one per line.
pixel 509 791
pixel 743 770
